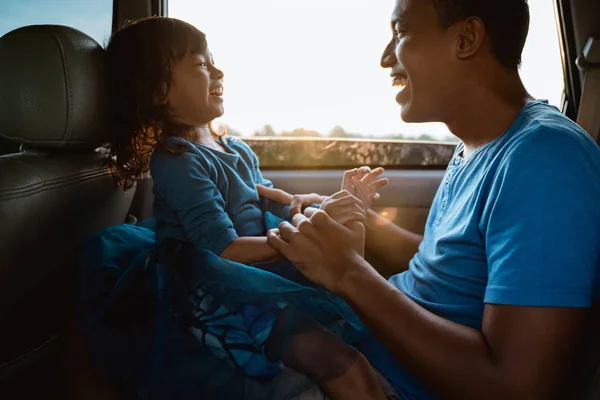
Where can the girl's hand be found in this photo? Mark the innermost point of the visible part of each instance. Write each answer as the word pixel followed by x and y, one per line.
pixel 363 183
pixel 343 208
pixel 296 202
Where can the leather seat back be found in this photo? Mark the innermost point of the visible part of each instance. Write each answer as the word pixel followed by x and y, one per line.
pixel 53 194
pixel 7 147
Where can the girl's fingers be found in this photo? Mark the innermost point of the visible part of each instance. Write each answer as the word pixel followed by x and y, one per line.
pixel 363 191
pixel 371 176
pixel 295 206
pixel 350 173
pixel 375 186
pixel 298 218
pixel 364 170
pixel 309 211
pixel 347 179
pixel 320 198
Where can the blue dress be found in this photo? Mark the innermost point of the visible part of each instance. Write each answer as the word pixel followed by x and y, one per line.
pixel 168 318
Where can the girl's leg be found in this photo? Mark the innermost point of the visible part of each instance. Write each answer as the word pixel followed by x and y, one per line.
pixel 306 346
pixel 359 382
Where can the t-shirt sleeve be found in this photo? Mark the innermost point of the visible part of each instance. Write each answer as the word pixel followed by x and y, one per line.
pixel 541 225
pixel 191 193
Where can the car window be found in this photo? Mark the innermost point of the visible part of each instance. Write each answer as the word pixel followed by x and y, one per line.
pixel 310 69
pixel 93 17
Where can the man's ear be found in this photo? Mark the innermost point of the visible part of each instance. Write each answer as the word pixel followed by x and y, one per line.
pixel 470 36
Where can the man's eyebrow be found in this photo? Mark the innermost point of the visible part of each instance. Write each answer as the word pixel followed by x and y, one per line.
pixel 398 20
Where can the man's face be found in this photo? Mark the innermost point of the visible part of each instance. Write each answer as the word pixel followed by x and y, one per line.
pixel 422 60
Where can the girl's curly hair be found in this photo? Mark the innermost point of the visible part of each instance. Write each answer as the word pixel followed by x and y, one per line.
pixel 139 59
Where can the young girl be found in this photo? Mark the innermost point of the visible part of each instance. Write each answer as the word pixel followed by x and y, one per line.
pixel 242 300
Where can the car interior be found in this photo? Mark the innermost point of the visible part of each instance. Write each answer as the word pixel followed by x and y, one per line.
pixel 56 190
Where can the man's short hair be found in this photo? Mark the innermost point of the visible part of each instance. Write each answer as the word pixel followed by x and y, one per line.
pixel 506 23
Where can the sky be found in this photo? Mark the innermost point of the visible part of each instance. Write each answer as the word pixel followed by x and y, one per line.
pixel 315 63
pixel 310 64
pixel 94 17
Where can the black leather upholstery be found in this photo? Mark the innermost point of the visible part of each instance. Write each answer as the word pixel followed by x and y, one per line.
pixel 52 80
pixel 8 147
pixel 48 203
pixel 48 98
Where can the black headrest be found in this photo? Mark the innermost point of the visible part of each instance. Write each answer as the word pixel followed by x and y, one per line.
pixel 53 88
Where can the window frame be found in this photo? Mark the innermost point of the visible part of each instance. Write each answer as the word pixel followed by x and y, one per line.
pixel 568 44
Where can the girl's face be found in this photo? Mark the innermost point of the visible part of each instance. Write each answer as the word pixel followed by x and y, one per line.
pixel 195 95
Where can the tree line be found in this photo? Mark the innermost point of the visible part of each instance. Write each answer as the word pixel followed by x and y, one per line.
pixel 339 132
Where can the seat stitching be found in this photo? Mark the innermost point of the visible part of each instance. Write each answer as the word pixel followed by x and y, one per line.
pixel 68 93
pixel 31 352
pixel 52 184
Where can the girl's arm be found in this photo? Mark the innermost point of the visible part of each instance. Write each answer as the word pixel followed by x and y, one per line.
pixel 295 202
pixel 185 183
pixel 248 250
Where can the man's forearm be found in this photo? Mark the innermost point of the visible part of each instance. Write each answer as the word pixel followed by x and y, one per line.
pixel 248 250
pixel 393 245
pixel 452 359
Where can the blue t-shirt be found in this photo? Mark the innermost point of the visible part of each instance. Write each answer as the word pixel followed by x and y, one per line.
pixel 516 223
pixel 208 197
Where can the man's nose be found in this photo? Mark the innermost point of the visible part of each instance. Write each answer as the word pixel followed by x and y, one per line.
pixel 388 58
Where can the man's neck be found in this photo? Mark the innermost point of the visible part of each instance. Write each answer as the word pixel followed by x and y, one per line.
pixel 491 106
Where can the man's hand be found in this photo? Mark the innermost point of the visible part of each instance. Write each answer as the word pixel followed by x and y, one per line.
pixel 322 249
pixel 363 183
pixel 344 207
pixel 296 202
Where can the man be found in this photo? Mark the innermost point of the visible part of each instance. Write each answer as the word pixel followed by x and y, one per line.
pixel 494 300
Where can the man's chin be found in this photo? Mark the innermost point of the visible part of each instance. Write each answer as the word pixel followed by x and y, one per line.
pixel 407 114
pixel 411 115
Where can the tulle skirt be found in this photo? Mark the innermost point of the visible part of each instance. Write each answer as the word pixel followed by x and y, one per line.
pixel 175 322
